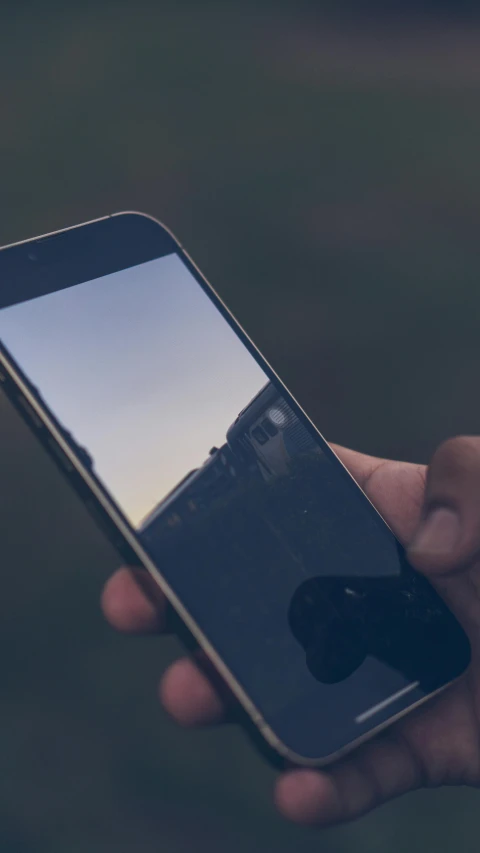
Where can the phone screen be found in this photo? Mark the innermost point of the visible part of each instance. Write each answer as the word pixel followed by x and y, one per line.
pixel 279 558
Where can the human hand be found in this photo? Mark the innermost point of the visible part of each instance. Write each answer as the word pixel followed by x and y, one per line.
pixel 435 512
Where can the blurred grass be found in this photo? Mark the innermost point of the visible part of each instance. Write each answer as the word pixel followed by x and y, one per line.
pixel 327 180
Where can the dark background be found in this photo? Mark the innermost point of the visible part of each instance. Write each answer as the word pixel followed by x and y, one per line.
pixel 321 162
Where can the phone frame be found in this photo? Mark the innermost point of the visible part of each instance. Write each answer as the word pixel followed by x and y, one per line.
pixel 116 527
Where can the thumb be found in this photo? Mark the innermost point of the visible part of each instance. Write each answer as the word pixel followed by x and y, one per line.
pixel 447 538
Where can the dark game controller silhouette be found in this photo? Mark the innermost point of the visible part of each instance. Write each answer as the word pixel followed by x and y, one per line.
pixel 399 621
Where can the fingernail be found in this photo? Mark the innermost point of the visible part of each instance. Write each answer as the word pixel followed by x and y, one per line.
pixel 438 533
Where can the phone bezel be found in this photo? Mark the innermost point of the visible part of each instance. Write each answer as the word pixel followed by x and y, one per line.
pixel 92 492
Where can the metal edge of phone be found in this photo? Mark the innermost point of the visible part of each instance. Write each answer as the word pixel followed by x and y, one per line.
pixel 112 523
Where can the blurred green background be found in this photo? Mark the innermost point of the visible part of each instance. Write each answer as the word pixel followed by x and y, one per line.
pixel 320 161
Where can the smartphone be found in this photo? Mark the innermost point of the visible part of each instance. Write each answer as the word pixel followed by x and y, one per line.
pixel 201 467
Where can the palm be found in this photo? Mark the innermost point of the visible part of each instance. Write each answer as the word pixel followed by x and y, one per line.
pixel 437 745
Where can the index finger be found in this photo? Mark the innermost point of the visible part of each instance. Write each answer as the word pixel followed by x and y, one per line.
pixel 133 602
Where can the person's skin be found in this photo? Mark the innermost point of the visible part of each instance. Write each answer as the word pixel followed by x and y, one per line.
pixel 436 514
